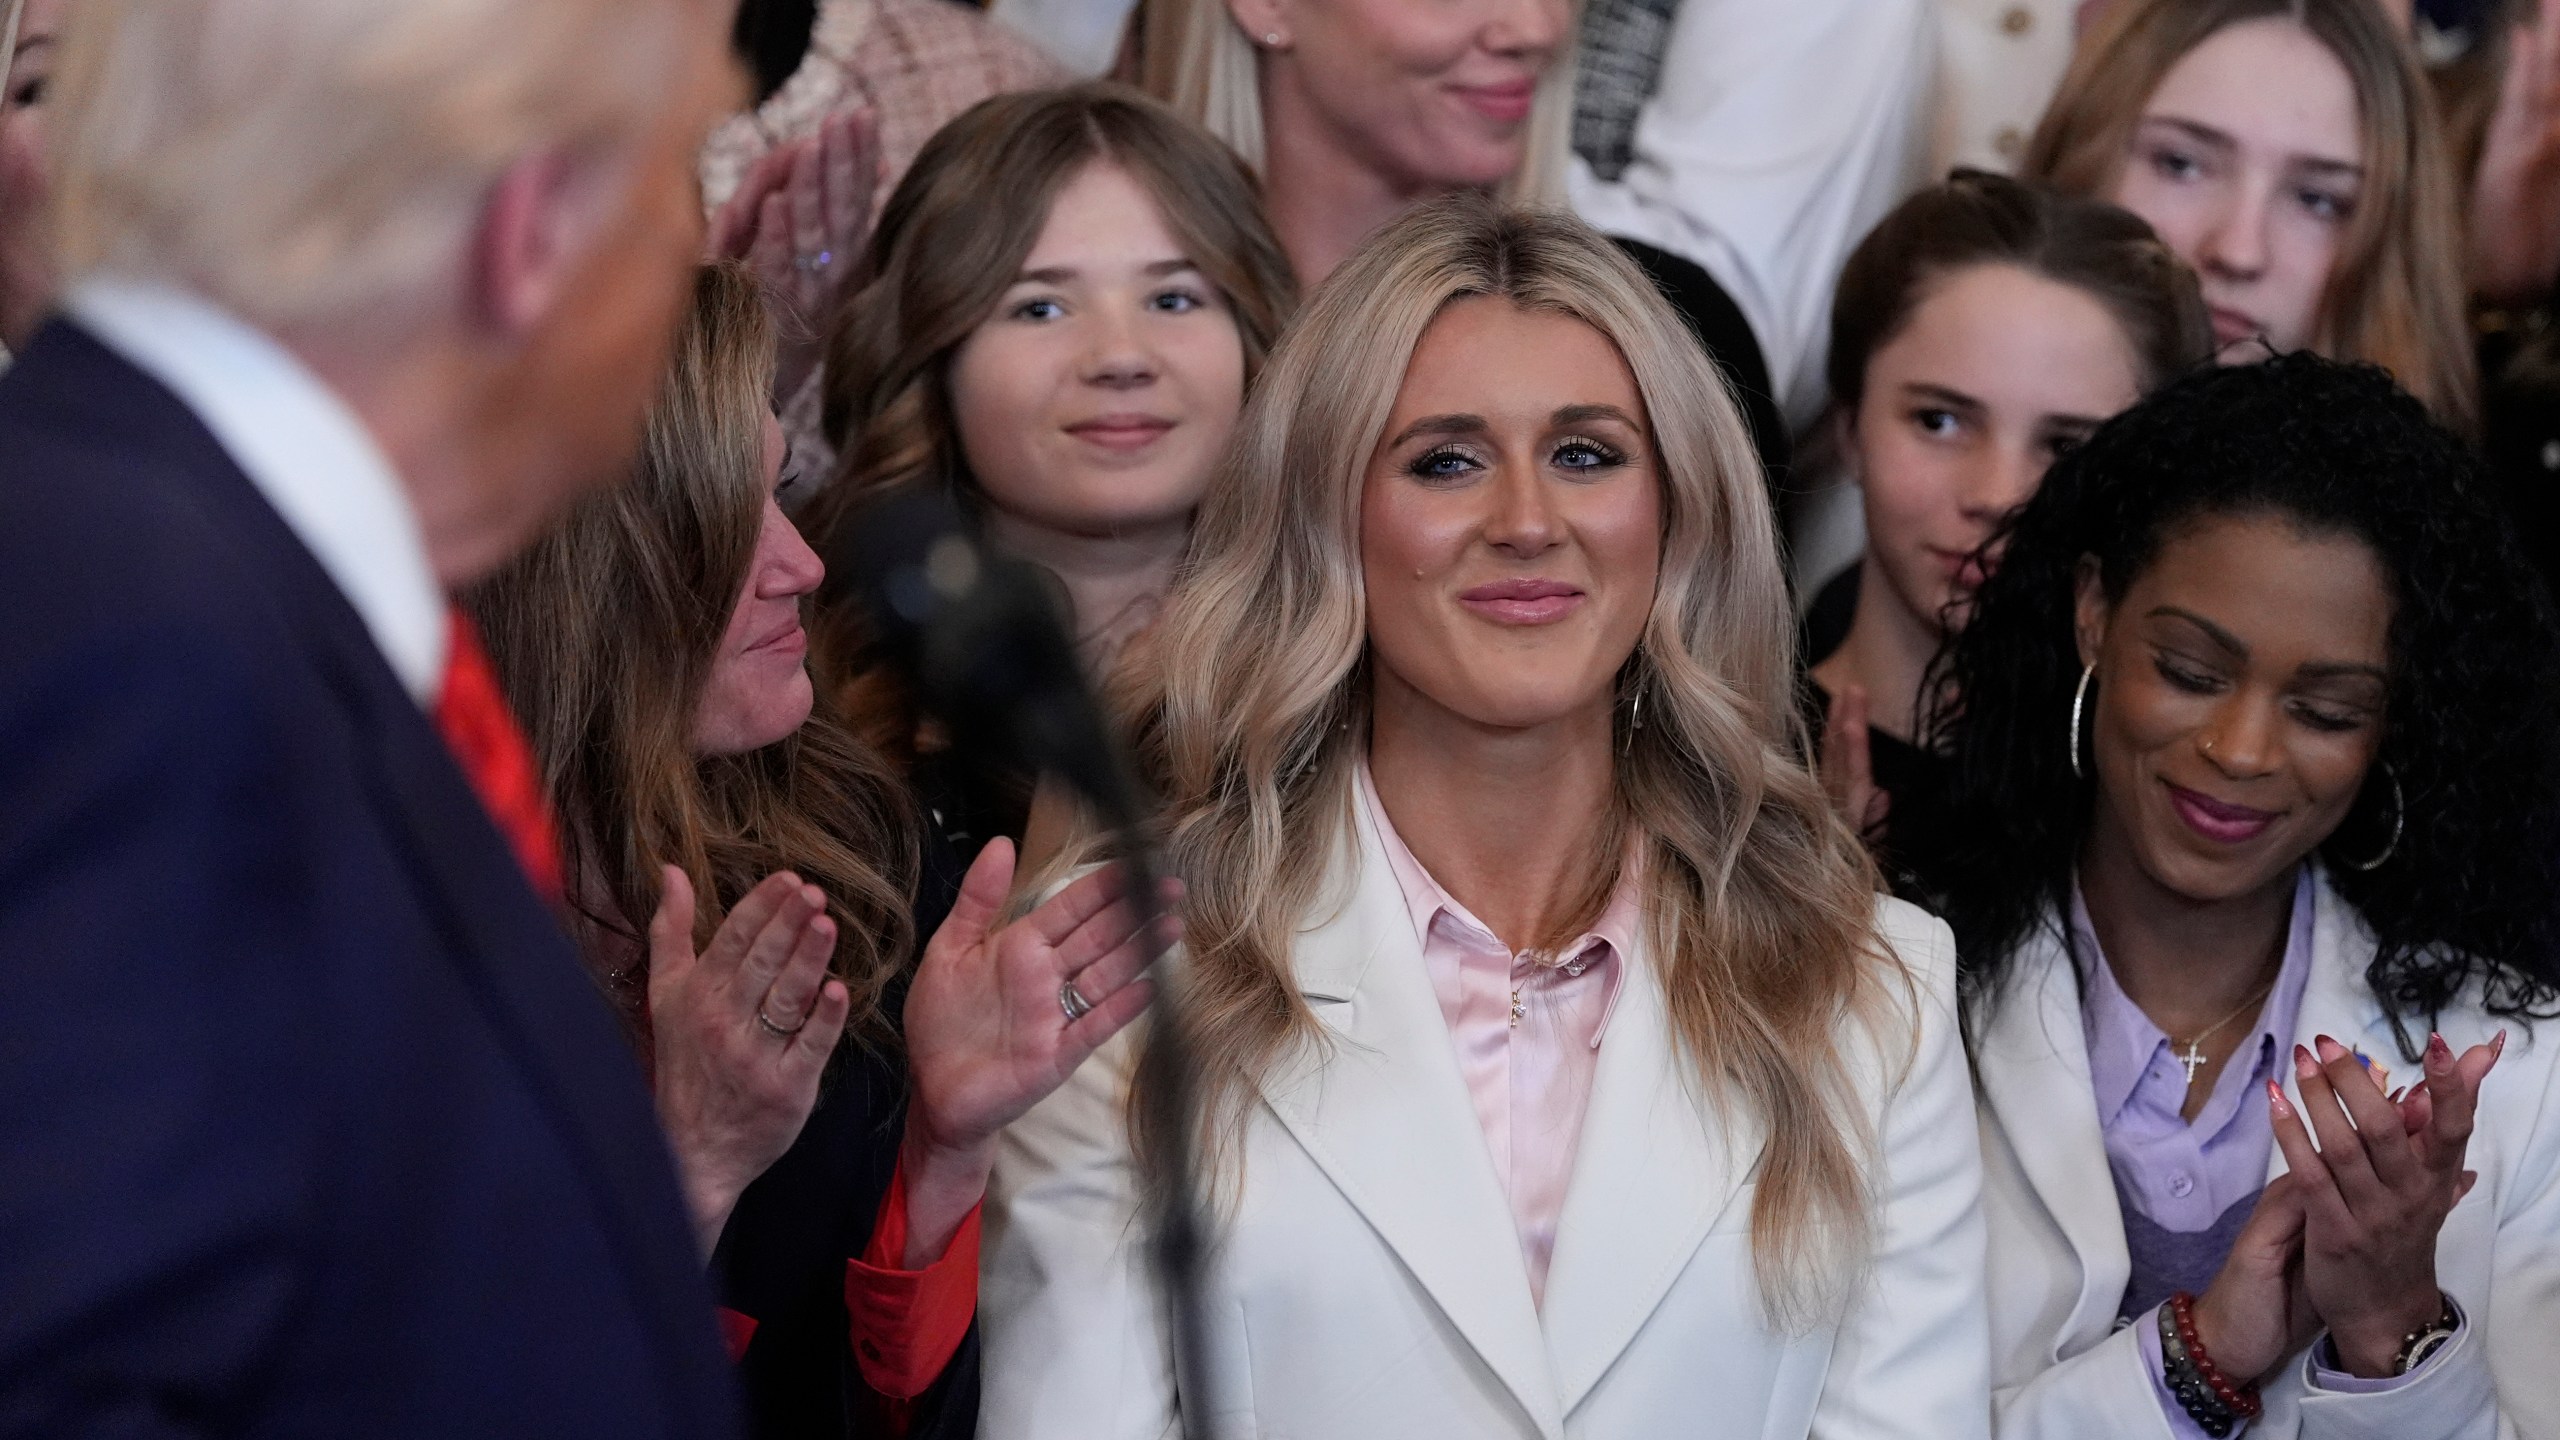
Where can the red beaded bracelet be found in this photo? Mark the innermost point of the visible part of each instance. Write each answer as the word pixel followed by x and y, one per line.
pixel 2242 1399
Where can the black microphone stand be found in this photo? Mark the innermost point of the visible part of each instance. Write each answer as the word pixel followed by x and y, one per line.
pixel 981 638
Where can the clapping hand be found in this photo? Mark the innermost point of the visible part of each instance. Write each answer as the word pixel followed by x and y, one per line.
pixel 799 219
pixel 998 1018
pixel 1847 764
pixel 740 1034
pixel 2376 1188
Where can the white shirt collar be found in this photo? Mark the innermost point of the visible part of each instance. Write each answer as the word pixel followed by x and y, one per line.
pixel 307 453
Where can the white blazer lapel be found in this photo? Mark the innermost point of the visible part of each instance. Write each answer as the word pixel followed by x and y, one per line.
pixel 1653 1176
pixel 2032 1062
pixel 1384 1112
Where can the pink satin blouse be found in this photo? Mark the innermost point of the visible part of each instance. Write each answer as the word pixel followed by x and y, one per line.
pixel 1526 1028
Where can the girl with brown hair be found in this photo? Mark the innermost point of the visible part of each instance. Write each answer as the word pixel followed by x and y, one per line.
pixel 740 874
pixel 1983 329
pixel 2289 150
pixel 1057 319
pixel 1561 1070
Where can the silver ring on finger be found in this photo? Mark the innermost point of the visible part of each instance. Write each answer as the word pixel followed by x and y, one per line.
pixel 1073 1002
pixel 778 1032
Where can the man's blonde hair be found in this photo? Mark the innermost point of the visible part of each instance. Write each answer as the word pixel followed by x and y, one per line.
pixel 305 161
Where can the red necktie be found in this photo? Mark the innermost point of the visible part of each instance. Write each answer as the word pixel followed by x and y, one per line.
pixel 483 734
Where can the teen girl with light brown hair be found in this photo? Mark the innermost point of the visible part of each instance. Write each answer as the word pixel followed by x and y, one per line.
pixel 2289 150
pixel 1562 1070
pixel 1056 322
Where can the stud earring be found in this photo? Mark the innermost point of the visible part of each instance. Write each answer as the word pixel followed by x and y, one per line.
pixel 1271 38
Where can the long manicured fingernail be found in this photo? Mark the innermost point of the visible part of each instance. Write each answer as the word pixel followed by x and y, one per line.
pixel 2276 1101
pixel 2303 1064
pixel 2497 1046
pixel 2439 1054
pixel 2330 1050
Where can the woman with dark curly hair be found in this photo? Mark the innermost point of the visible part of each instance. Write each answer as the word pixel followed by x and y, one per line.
pixel 2254 789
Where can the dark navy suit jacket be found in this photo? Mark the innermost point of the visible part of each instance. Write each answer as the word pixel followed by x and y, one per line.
pixel 310 1123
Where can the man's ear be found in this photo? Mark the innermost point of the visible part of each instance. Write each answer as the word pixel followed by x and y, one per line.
pixel 534 229
pixel 2090 611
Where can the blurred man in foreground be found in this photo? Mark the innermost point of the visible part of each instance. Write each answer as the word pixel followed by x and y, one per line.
pixel 313 1125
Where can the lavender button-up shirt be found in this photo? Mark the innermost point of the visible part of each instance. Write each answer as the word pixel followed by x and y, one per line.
pixel 2181 1175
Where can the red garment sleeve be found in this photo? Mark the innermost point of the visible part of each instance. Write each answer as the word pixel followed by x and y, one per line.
pixel 907 1323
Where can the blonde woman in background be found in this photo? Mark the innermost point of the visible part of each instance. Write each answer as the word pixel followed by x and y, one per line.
pixel 1350 111
pixel 2289 151
pixel 1564 1075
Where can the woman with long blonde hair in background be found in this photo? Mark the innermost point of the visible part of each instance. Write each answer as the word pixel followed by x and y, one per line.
pixel 1351 111
pixel 1563 1072
pixel 2290 151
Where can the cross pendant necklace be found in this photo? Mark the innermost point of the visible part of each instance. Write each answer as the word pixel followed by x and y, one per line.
pixel 2193 1057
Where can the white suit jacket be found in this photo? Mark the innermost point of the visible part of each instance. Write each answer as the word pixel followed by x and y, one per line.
pixel 1369 1282
pixel 2059 1264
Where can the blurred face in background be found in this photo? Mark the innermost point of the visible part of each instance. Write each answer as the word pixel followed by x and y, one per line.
pixel 1510 524
pixel 1995 374
pixel 26 265
pixel 1096 397
pixel 1429 94
pixel 2249 161
pixel 758 691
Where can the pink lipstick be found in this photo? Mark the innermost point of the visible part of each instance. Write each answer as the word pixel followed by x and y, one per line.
pixel 1523 602
pixel 2218 820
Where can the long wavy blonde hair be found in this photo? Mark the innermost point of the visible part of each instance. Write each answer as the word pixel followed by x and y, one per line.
pixel 1192 55
pixel 1248 708
pixel 2396 292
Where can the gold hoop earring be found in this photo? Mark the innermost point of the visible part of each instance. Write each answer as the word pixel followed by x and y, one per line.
pixel 2399 814
pixel 2079 698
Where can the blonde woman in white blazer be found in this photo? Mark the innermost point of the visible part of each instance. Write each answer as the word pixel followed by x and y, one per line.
pixel 2254 790
pixel 1512 921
